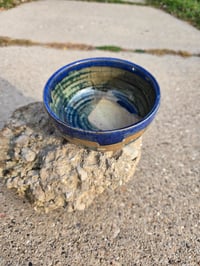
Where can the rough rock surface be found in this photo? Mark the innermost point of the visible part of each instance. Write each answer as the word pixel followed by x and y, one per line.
pixel 43 167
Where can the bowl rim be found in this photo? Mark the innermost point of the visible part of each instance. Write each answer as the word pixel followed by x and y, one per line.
pixel 105 61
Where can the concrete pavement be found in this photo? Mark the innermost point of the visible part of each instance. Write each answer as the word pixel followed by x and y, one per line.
pixel 155 219
pixel 129 26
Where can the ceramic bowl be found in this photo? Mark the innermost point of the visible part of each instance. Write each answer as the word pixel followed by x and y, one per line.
pixel 102 103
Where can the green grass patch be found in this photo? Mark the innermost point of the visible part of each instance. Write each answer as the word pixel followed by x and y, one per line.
pixel 188 10
pixel 11 3
pixel 7 3
pixel 110 48
pixel 140 51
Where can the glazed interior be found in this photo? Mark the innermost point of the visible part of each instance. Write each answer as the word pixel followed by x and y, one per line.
pixel 99 98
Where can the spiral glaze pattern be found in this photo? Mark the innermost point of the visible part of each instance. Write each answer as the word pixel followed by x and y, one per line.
pixel 102 103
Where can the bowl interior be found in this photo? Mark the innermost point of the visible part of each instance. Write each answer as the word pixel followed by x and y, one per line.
pixel 99 98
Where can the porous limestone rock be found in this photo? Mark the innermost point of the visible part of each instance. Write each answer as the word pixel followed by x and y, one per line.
pixel 51 172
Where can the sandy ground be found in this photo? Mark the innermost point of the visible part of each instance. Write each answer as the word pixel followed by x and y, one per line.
pixel 155 219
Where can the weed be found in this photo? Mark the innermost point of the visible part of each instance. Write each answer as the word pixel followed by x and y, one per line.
pixel 188 10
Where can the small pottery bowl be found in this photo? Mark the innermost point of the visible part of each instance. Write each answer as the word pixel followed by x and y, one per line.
pixel 102 103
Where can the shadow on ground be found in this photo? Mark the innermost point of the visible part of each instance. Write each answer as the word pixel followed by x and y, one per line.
pixel 10 99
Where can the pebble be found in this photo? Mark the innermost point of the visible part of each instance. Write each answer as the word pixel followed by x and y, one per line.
pixel 28 154
pixel 82 173
pixel 22 140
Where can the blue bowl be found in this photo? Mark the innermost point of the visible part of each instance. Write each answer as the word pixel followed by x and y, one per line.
pixel 102 103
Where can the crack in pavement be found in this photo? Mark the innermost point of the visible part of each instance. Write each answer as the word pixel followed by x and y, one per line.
pixel 7 41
